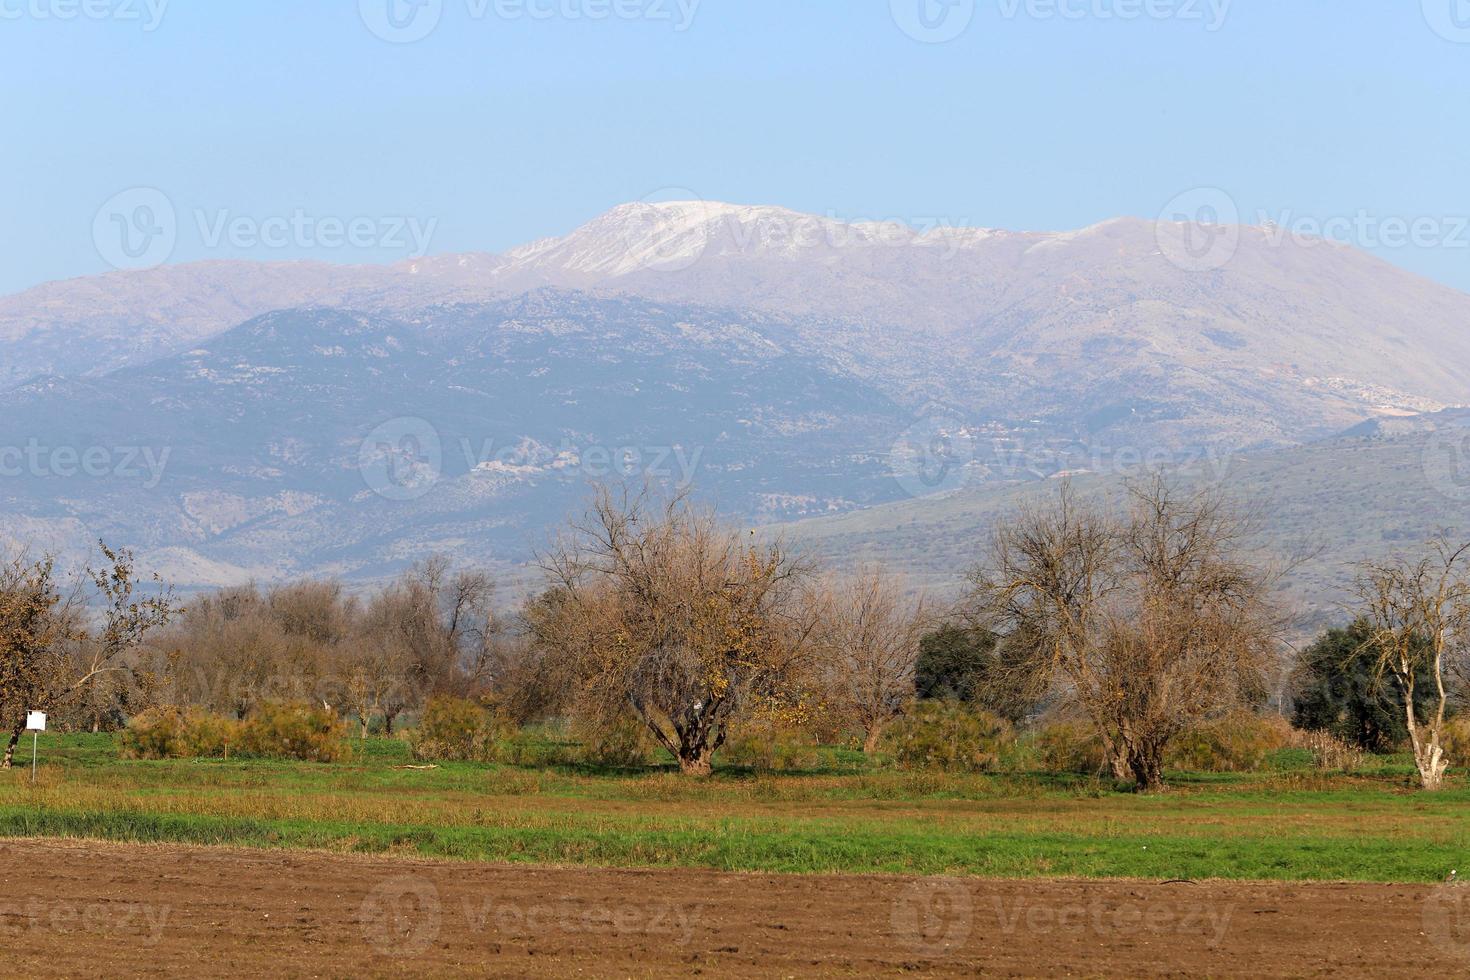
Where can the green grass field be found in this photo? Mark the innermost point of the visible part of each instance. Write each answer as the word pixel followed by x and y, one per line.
pixel 1289 823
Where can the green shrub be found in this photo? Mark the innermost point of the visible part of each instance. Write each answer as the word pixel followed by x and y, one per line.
pixel 768 746
pixel 294 731
pixel 174 733
pixel 1070 746
pixel 947 736
pixel 1239 742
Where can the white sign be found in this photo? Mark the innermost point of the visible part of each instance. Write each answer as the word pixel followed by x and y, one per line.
pixel 36 721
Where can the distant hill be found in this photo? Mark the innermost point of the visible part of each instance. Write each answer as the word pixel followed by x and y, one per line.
pixel 1343 500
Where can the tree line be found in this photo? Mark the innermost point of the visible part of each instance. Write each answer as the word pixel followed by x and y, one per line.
pixel 1144 617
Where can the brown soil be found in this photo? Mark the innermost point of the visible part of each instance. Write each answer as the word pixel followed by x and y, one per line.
pixel 72 908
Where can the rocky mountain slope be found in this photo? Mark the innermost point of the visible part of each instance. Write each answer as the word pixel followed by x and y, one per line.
pixel 1288 340
pixel 235 419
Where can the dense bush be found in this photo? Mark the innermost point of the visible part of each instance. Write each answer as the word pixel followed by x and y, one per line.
pixel 294 731
pixel 1330 753
pixel 1456 740
pixel 948 736
pixel 770 747
pixel 1239 742
pixel 453 730
pixel 957 663
pixel 173 733
pixel 1069 746
pixel 624 744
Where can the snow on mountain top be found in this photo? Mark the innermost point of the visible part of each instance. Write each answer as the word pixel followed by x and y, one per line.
pixel 670 235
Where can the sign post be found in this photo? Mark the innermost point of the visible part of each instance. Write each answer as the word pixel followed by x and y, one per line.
pixel 35 724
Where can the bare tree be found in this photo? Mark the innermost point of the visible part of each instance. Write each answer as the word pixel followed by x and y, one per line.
pixel 658 610
pixel 1419 619
pixel 872 637
pixel 49 655
pixel 440 621
pixel 1148 623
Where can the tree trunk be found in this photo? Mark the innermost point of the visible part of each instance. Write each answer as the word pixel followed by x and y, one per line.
pixel 1147 767
pixel 15 735
pixel 1429 756
pixel 870 744
pixel 1116 757
pixel 1432 766
pixel 698 764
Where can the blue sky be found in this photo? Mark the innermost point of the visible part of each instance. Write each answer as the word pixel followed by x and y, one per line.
pixel 514 119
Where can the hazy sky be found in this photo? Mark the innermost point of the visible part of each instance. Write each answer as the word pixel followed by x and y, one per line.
pixel 273 128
